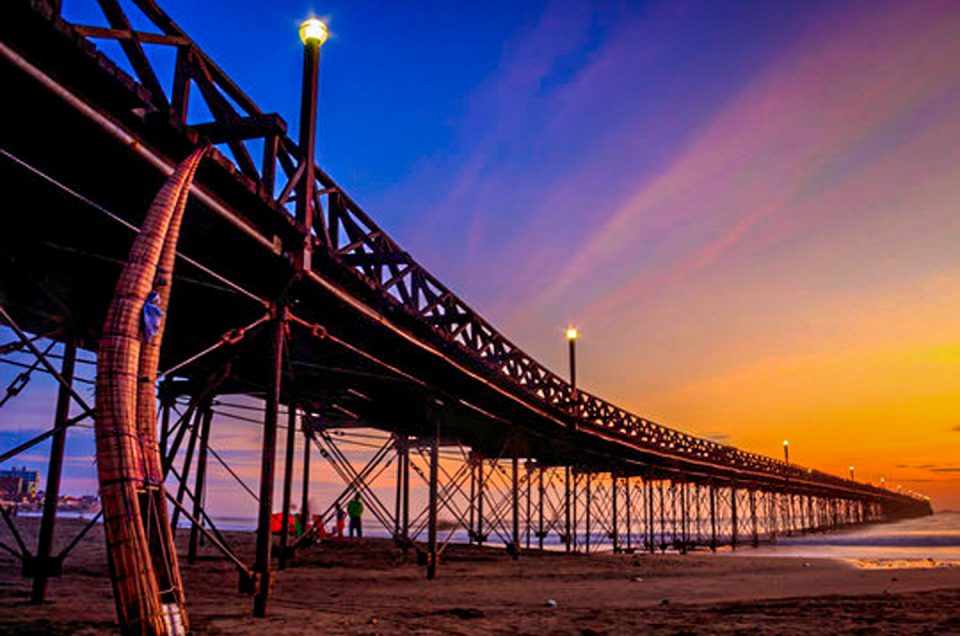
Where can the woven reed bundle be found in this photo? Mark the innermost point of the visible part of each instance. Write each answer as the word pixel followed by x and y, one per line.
pixel 143 563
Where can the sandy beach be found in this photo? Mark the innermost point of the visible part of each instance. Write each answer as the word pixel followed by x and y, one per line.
pixel 367 588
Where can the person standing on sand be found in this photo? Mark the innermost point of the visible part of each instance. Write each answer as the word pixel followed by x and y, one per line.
pixel 341 515
pixel 355 510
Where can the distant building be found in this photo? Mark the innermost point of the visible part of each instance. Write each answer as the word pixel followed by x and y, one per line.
pixel 18 482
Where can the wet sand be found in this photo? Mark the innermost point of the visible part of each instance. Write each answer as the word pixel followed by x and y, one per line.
pixel 367 588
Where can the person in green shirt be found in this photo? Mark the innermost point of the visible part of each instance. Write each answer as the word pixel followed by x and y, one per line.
pixel 355 511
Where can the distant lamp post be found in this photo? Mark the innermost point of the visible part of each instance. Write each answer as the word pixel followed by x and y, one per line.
pixel 883 483
pixel 851 473
pixel 572 335
pixel 786 451
pixel 313 33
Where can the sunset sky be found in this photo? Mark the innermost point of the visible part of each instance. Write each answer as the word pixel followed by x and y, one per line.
pixel 751 210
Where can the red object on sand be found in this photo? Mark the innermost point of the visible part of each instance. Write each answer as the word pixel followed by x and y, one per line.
pixel 276 523
pixel 318 526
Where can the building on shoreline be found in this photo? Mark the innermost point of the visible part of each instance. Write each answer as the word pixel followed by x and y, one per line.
pixel 18 482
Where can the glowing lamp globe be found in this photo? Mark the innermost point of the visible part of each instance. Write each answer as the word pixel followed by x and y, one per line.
pixel 572 333
pixel 314 30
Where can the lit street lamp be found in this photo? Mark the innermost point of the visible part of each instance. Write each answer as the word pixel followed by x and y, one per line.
pixel 572 335
pixel 313 30
pixel 851 473
pixel 786 451
pixel 313 33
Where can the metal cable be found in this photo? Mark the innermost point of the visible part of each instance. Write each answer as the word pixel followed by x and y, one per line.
pixel 130 226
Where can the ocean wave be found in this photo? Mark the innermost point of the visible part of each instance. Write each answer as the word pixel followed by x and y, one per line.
pixel 898 541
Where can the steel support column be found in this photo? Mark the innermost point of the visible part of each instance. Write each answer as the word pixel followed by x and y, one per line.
pixel 733 518
pixel 480 497
pixel 188 461
pixel 527 467
pixel 576 516
pixel 540 532
pixel 613 534
pixel 306 425
pixel 51 494
pixel 287 482
pixel 663 520
pixel 651 545
pixel 772 524
pixel 629 511
pixel 713 517
pixel 589 505
pixel 405 505
pixel 261 565
pixel 515 500
pixel 471 529
pixel 791 515
pixel 432 503
pixel 198 487
pixel 698 514
pixel 398 495
pixel 568 529
pixel 167 400
pixel 684 520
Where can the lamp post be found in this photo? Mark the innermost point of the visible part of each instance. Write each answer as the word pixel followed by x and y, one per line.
pixel 572 335
pixel 883 482
pixel 851 473
pixel 313 33
pixel 786 451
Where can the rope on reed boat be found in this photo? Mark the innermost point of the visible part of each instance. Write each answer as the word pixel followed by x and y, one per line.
pixel 143 563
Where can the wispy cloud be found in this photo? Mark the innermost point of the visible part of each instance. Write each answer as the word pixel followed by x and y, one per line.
pixel 450 194
pixel 800 129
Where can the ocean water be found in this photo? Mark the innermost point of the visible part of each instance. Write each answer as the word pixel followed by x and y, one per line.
pixel 934 539
pixel 925 541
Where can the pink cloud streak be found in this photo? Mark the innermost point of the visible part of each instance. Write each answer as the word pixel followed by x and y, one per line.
pixel 830 92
